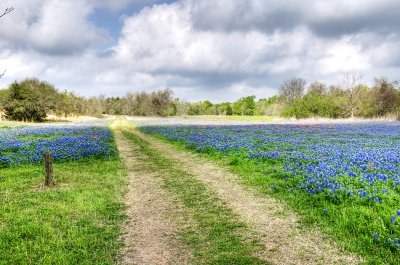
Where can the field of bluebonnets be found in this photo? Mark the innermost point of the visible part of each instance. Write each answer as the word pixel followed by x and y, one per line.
pixel 345 178
pixel 21 145
pixel 78 220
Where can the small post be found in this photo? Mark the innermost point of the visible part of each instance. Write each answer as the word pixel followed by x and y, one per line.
pixel 48 169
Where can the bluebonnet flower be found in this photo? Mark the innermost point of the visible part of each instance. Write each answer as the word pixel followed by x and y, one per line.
pixel 75 142
pixel 389 240
pixel 396 242
pixel 330 160
pixel 376 236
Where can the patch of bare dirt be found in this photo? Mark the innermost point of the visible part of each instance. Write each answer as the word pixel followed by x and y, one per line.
pixel 150 232
pixel 283 239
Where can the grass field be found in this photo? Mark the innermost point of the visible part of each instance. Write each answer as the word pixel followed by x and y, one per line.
pixel 342 178
pixel 78 221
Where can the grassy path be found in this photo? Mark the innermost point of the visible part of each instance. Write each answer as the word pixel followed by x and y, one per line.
pixel 202 225
pixel 149 233
pixel 277 229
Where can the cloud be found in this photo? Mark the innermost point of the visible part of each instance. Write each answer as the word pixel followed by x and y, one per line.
pixel 324 18
pixel 51 27
pixel 221 50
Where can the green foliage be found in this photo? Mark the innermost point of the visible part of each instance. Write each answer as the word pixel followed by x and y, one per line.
pixel 314 105
pixel 29 100
pixel 33 100
pixel 226 108
pixel 244 106
pixel 271 106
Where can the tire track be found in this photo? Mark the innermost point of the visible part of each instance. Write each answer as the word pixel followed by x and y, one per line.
pixel 284 241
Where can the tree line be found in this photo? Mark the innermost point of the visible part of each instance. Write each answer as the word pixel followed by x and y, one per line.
pixel 32 100
pixel 350 98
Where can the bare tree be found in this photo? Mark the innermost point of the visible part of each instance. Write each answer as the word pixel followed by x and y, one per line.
pixel 317 88
pixel 351 84
pixel 385 95
pixel 292 89
pixel 6 11
pixel 161 102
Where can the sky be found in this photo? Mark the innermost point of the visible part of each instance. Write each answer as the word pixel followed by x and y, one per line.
pixel 201 49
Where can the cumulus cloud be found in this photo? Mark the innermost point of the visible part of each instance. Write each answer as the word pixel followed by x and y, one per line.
pixel 50 26
pixel 201 49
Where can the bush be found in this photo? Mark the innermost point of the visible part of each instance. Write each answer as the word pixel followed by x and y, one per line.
pixel 28 101
pixel 314 105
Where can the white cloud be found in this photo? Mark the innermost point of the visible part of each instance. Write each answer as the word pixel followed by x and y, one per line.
pixel 50 26
pixel 221 50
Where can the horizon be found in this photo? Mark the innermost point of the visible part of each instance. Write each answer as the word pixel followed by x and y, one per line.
pixel 198 49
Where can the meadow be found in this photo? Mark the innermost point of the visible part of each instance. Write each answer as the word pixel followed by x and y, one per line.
pixel 342 178
pixel 78 220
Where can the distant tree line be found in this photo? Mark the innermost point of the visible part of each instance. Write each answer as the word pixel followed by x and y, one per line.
pixel 349 99
pixel 33 100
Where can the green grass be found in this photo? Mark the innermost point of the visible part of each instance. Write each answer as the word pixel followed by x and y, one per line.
pixel 218 237
pixel 76 222
pixel 351 225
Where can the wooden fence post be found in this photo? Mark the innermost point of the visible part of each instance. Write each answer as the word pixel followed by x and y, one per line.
pixel 48 169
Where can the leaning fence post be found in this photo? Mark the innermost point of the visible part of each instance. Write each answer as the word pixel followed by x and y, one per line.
pixel 48 169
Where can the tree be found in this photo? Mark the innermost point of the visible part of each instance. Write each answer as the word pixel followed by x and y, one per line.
pixel 244 106
pixel 351 84
pixel 292 89
pixel 30 100
pixel 385 96
pixel 21 104
pixel 317 88
pixel 161 102
pixel 226 108
pixel 6 11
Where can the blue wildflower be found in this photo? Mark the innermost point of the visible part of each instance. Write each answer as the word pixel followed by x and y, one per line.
pixel 376 236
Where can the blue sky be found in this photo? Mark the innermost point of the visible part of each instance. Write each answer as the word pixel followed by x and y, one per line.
pixel 112 19
pixel 201 49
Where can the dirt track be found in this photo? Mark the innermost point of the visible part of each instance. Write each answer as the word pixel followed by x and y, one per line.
pixel 284 241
